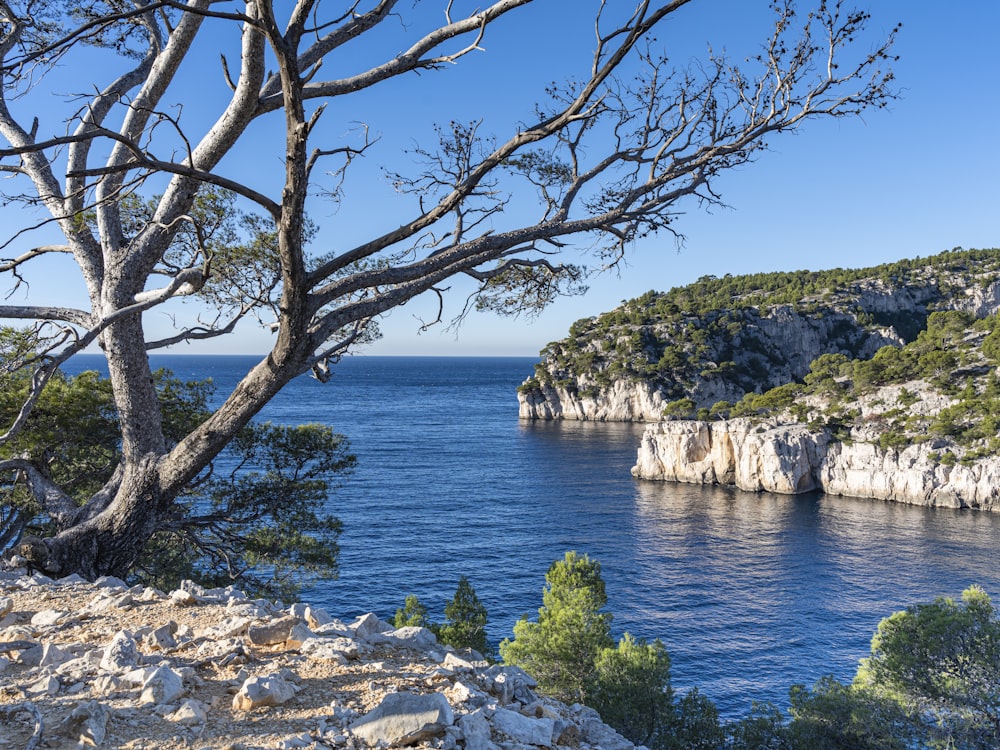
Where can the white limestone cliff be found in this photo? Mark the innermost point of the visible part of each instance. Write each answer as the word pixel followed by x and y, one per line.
pixel 623 401
pixel 791 458
pixel 792 338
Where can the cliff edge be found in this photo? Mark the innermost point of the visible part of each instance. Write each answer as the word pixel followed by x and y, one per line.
pixel 104 665
pixel 791 458
pixel 718 339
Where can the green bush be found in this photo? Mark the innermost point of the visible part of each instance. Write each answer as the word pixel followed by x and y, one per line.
pixel 631 690
pixel 412 614
pixel 560 650
pixel 570 652
pixel 465 621
pixel 940 662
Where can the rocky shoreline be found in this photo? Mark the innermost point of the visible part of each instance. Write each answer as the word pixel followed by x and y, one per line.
pixel 770 456
pixel 106 665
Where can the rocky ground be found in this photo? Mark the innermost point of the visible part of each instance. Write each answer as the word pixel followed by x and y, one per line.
pixel 101 664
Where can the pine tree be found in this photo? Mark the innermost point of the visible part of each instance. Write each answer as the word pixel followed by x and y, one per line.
pixel 561 649
pixel 465 625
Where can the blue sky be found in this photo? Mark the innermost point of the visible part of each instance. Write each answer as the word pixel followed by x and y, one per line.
pixel 917 179
pixel 910 181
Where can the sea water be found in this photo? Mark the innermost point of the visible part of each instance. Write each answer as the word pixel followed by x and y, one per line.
pixel 750 593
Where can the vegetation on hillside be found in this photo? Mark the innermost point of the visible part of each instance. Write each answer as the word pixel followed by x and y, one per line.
pixel 711 330
pixel 944 388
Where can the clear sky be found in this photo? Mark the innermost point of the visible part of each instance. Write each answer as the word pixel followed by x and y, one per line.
pixel 913 180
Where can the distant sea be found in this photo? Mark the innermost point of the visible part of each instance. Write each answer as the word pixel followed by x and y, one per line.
pixel 749 592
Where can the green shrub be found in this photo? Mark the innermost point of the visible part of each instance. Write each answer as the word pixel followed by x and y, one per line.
pixel 465 621
pixel 631 690
pixel 412 614
pixel 560 650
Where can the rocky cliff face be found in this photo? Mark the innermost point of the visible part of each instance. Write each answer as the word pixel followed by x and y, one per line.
pixel 790 458
pixel 623 401
pixel 776 345
pixel 714 341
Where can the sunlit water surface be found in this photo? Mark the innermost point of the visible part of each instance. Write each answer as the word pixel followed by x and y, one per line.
pixel 751 593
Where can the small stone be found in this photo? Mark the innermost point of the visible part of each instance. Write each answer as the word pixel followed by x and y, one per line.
pixel 181 598
pixel 53 656
pixel 48 685
pixel 317 618
pixel 121 654
pixel 86 724
pixel 71 579
pixel 108 684
pixel 369 624
pixel 110 582
pixel 47 617
pixel 137 677
pixel 162 639
pixel 405 719
pixel 476 731
pixel 456 662
pixel 164 685
pixel 299 634
pixel 273 632
pixel 123 601
pixel 190 712
pixel 30 655
pixel 229 628
pixel 270 690
pixel 322 650
pixel 6 606
pixel 291 743
pixel 524 729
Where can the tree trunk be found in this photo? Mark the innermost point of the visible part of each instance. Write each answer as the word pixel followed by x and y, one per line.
pixel 111 542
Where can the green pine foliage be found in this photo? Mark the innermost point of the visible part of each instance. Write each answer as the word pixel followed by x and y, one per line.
pixel 709 330
pixel 465 621
pixel 941 663
pixel 412 614
pixel 261 526
pixel 561 648
pixel 631 690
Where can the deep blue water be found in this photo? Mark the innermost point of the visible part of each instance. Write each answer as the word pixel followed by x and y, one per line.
pixel 750 592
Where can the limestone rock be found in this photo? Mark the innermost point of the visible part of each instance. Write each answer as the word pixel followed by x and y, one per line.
pixel 524 729
pixel 47 685
pixel 270 690
pixel 420 639
pixel 121 654
pixel 596 733
pixel 190 712
pixel 369 624
pixel 86 724
pixel 6 605
pixel 790 459
pixel 183 598
pixel 509 684
pixel 47 617
pixel 476 731
pixel 273 632
pixel 163 685
pixel 161 638
pixel 53 656
pixel 405 719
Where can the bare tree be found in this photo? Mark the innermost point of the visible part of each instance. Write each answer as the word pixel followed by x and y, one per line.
pixel 121 176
